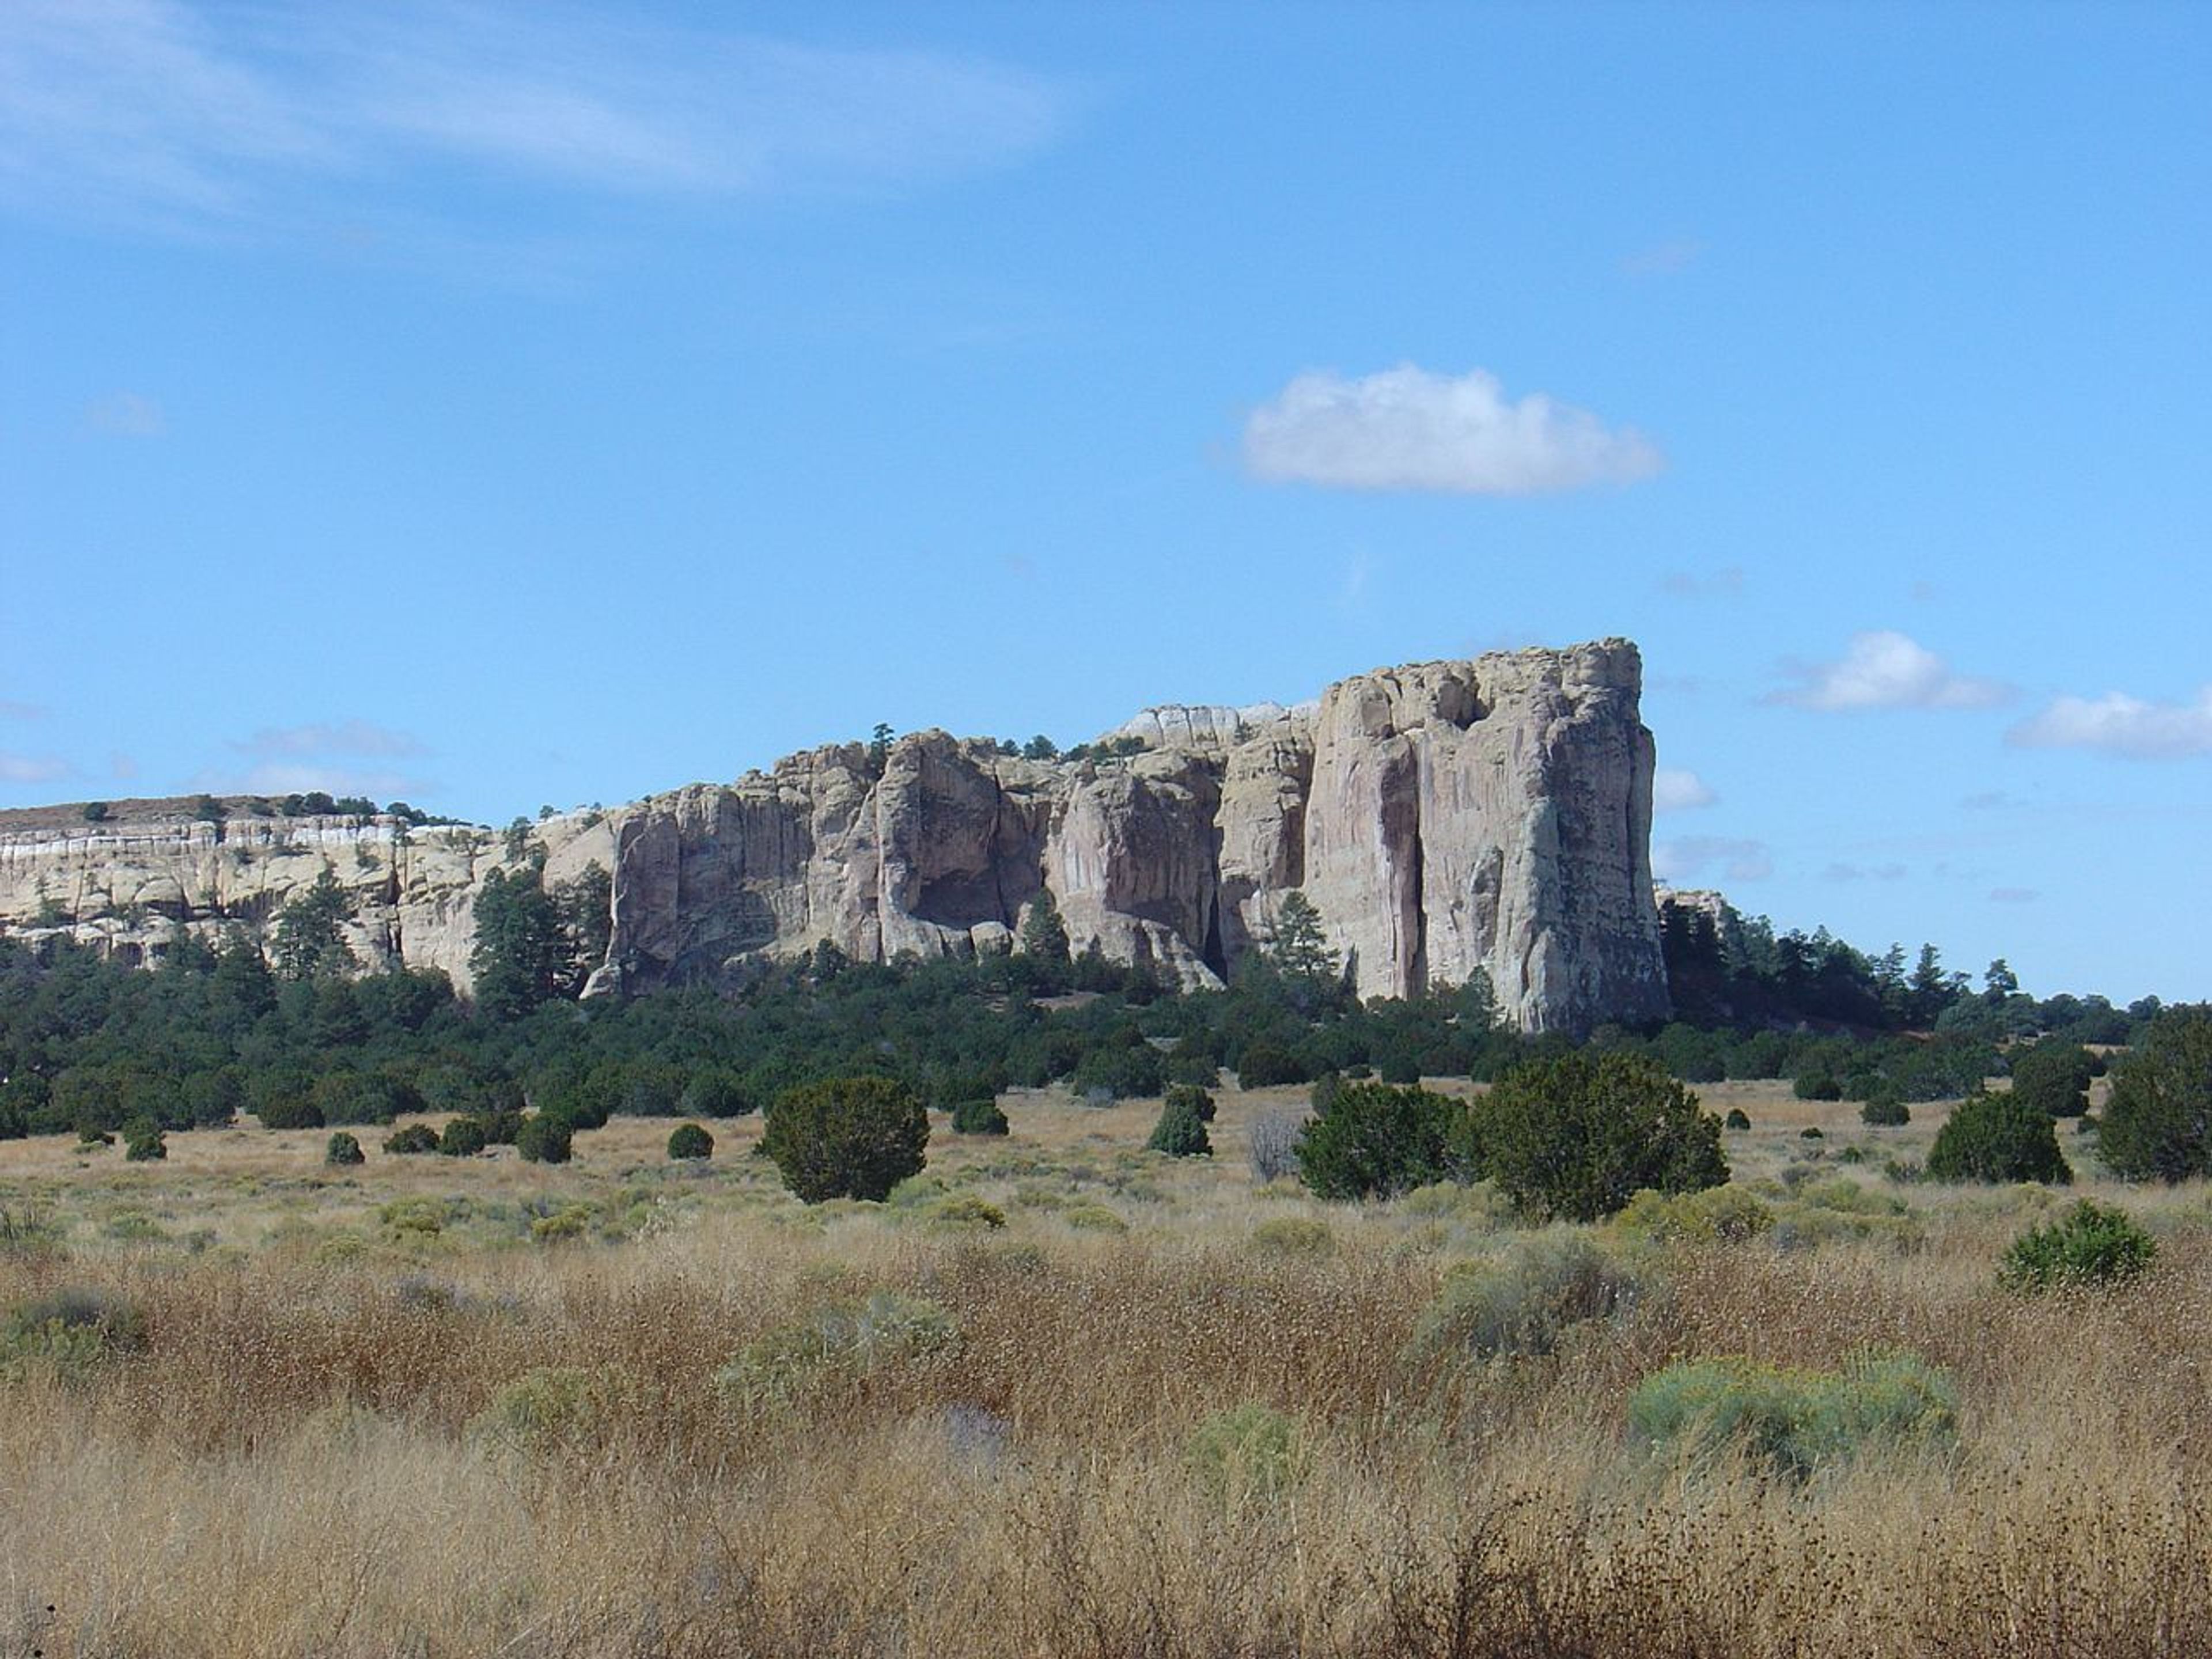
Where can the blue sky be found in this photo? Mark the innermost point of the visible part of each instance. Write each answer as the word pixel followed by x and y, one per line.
pixel 505 404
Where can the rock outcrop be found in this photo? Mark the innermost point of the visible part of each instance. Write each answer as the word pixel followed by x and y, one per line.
pixel 1446 819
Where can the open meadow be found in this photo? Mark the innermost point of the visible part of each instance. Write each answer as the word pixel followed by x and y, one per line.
pixel 1064 1396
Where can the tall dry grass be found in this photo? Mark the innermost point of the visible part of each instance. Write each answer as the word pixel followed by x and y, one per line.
pixel 303 1457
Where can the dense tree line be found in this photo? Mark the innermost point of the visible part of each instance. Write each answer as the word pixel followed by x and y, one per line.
pixel 292 1035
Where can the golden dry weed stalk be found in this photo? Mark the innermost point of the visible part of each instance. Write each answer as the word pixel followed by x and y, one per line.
pixel 307 1453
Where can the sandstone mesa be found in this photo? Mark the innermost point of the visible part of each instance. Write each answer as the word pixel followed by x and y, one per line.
pixel 1446 817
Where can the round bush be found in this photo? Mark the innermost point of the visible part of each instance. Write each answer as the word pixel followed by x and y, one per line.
pixel 854 1137
pixel 465 1137
pixel 1737 1118
pixel 1377 1140
pixel 1816 1085
pixel 545 1138
pixel 414 1137
pixel 1575 1138
pixel 979 1117
pixel 1996 1138
pixel 690 1140
pixel 2158 1122
pixel 344 1149
pixel 1885 1111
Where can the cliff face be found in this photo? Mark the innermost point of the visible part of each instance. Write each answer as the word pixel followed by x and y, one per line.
pixel 1445 817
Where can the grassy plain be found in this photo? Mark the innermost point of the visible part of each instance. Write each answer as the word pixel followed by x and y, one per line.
pixel 435 1407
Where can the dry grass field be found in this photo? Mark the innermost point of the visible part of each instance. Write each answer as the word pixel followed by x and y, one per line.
pixel 471 1407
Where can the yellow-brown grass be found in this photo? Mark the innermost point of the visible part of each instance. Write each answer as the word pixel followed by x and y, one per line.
pixel 300 1457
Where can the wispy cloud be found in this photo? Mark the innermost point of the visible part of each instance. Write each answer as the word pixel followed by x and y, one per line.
pixel 168 114
pixel 1675 789
pixel 286 778
pixel 1846 872
pixel 32 768
pixel 1692 857
pixel 1724 583
pixel 2014 894
pixel 354 736
pixel 2117 724
pixel 1666 259
pixel 1406 428
pixel 1886 670
pixel 126 415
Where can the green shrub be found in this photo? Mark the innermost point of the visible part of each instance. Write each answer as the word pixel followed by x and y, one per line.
pixel 1191 1095
pixel 414 1217
pixel 966 1210
pixel 143 1143
pixel 1181 1132
pixel 1723 1214
pixel 1293 1236
pixel 981 1116
pixel 554 1408
pixel 464 1137
pixel 1813 1131
pixel 343 1150
pixel 855 1137
pixel 1377 1140
pixel 1817 1085
pixel 412 1137
pixel 715 1092
pixel 2157 1122
pixel 1522 1303
pixel 1575 1136
pixel 2091 1245
pixel 1884 1110
pixel 1737 1119
pixel 1248 1453
pixel 1266 1064
pixel 545 1138
pixel 1797 1421
pixel 69 1331
pixel 839 1344
pixel 1997 1137
pixel 2054 1076
pixel 689 1140
pixel 570 1222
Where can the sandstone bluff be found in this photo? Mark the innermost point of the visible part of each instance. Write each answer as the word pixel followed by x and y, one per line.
pixel 1446 817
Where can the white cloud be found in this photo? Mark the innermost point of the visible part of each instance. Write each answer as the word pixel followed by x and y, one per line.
pixel 1886 670
pixel 153 112
pixel 1690 857
pixel 338 738
pixel 126 415
pixel 31 769
pixel 2120 725
pixel 1676 790
pixel 1405 429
